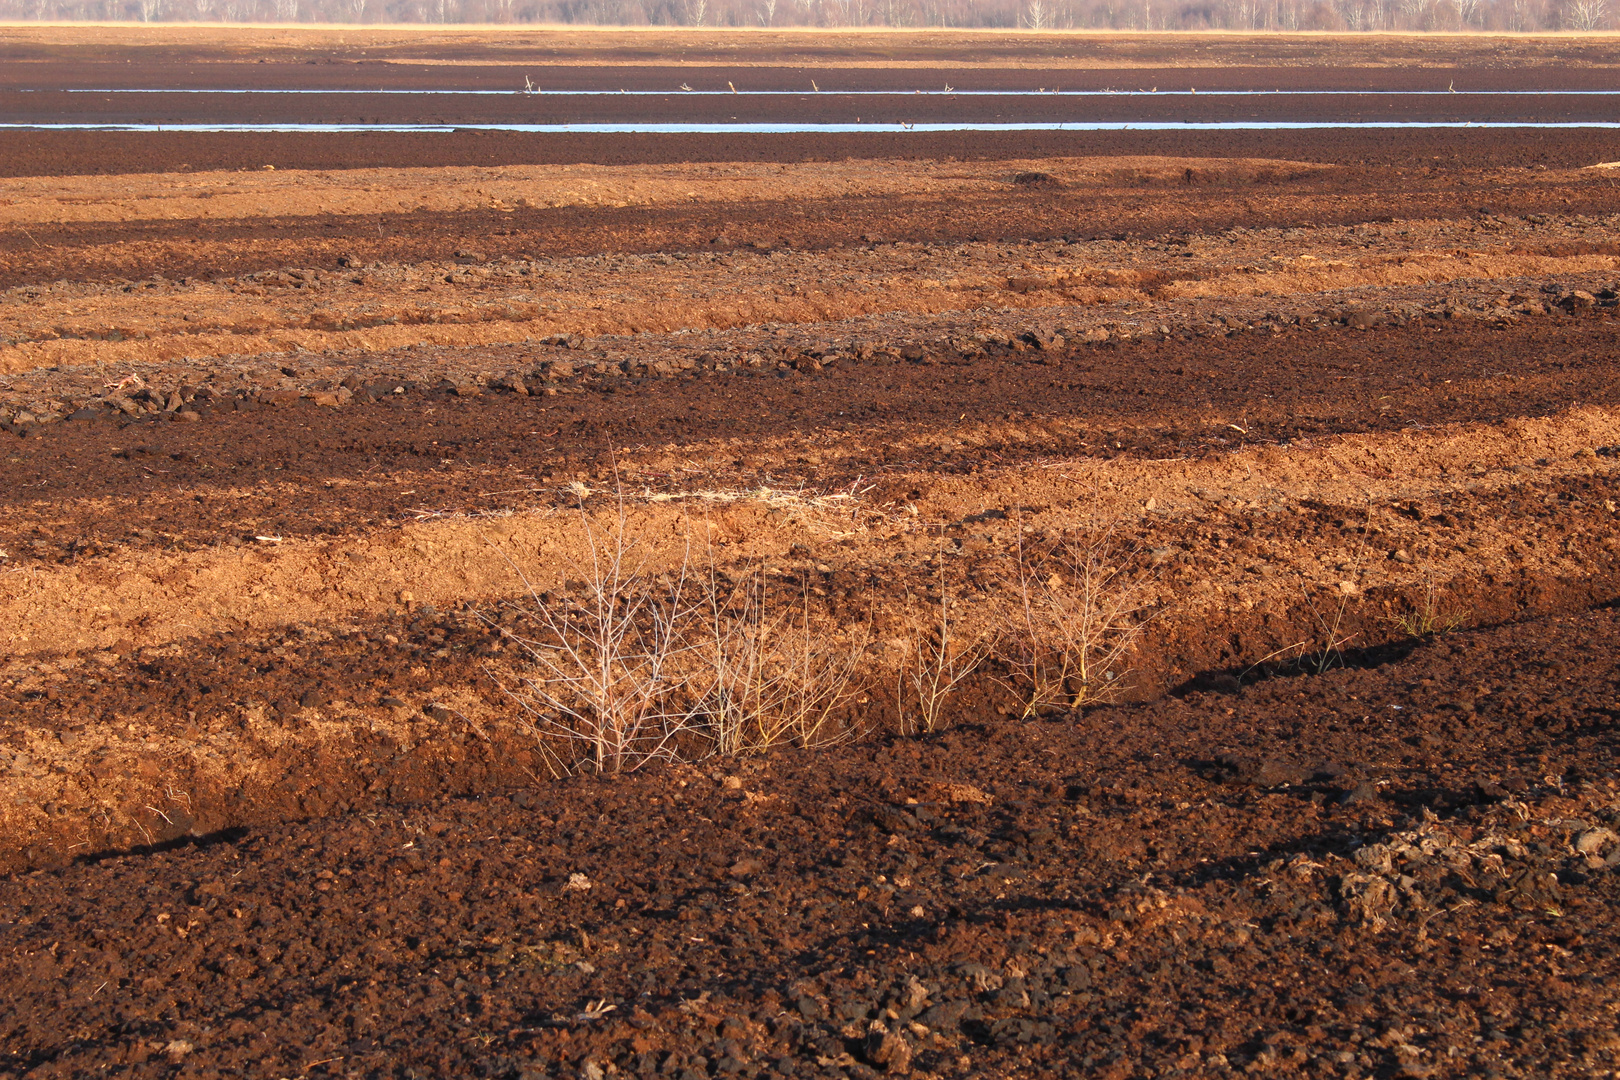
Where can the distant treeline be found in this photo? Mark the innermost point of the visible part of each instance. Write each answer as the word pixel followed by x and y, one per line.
pixel 1339 15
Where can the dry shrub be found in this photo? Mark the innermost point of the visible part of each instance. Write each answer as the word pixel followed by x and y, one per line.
pixel 936 663
pixel 1077 614
pixel 641 666
pixel 606 669
pixel 773 679
pixel 657 667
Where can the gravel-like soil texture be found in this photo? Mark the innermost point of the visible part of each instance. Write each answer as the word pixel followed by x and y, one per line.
pixel 302 468
pixel 1401 869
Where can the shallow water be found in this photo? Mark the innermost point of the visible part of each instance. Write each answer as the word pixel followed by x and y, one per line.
pixel 790 112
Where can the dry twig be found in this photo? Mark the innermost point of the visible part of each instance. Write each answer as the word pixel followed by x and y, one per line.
pixel 1070 633
pixel 934 666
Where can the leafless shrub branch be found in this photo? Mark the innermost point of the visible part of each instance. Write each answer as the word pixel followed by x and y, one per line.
pixel 605 669
pixel 936 663
pixel 646 667
pixel 1074 622
pixel 774 679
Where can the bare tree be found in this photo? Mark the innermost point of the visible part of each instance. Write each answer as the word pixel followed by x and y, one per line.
pixel 1416 13
pixel 1034 15
pixel 1588 15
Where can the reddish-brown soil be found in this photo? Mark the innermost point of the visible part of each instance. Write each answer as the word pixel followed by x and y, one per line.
pixel 1392 870
pixel 288 456
pixel 42 63
pixel 1151 207
pixel 1287 387
pixel 670 106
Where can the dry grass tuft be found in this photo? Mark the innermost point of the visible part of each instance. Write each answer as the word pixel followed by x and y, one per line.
pixel 775 498
pixel 1428 618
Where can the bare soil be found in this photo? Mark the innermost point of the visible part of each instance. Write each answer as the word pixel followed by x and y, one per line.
pixel 1370 872
pixel 284 453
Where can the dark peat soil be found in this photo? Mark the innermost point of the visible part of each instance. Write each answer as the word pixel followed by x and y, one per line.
pixel 1403 869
